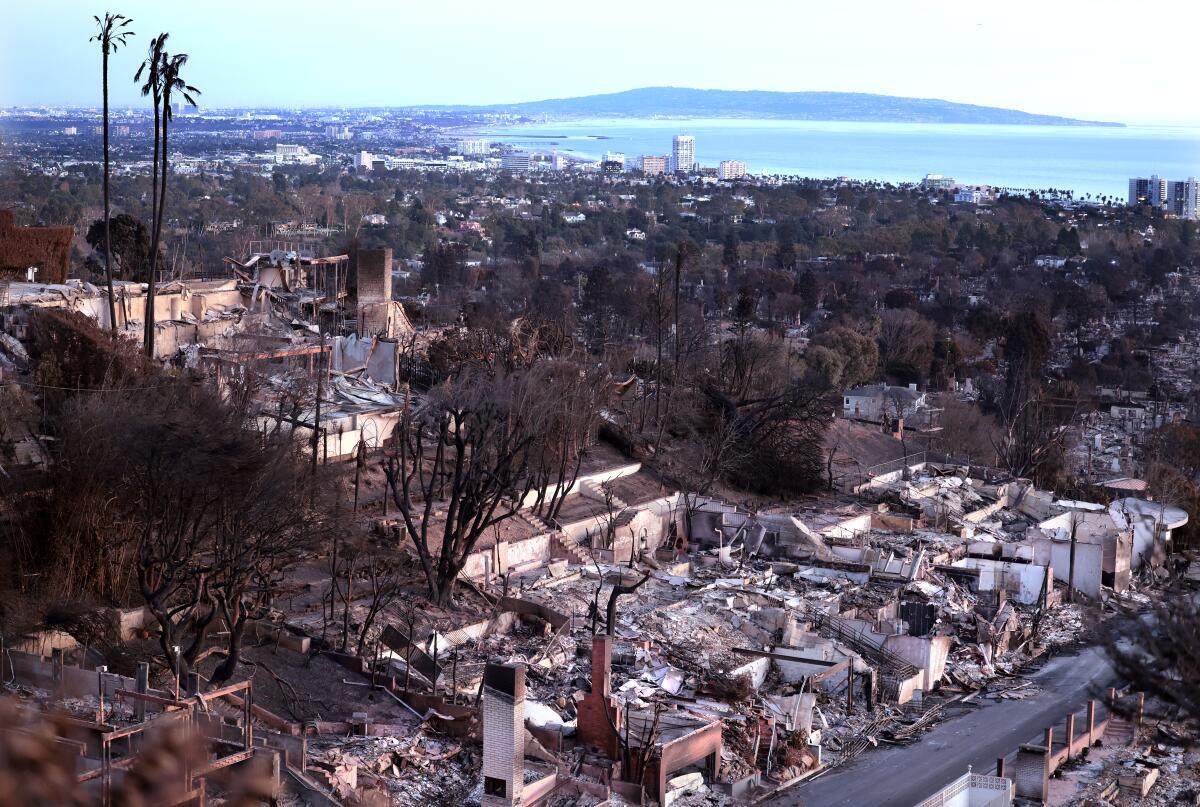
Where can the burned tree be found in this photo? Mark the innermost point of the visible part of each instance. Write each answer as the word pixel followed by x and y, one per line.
pixel 210 512
pixel 464 463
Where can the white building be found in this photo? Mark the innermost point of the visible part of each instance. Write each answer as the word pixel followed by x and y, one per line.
pixel 374 220
pixel 288 154
pixel 474 147
pixel 969 196
pixel 683 154
pixel 634 234
pixel 71 131
pixel 937 182
pixel 337 132
pixel 515 161
pixel 613 162
pixel 731 169
pixel 1150 190
pixel 559 162
pixel 1181 198
pixel 364 161
pixel 874 401
pixel 574 218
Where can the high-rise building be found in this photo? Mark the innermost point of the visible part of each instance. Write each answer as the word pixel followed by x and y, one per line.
pixel 364 161
pixel 71 131
pixel 613 162
pixel 515 161
pixel 1182 198
pixel 559 162
pixel 474 147
pixel 337 132
pixel 731 169
pixel 653 165
pixel 937 182
pixel 683 153
pixel 1147 191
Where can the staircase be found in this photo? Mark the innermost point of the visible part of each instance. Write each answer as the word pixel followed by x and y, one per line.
pixel 764 744
pixel 593 490
pixel 576 555
pixel 895 665
pixel 538 523
pixel 1119 731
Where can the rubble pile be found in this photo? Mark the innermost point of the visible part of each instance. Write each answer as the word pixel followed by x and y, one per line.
pixel 413 770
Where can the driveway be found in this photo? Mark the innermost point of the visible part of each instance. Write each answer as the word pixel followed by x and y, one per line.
pixel 901 776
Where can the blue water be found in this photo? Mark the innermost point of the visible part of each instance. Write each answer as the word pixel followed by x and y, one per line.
pixel 1095 160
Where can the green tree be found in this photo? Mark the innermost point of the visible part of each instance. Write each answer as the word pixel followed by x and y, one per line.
pixel 124 238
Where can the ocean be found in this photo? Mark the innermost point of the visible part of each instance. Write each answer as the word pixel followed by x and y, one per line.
pixel 1084 159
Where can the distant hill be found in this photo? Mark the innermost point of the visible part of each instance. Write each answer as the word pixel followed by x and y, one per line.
pixel 682 102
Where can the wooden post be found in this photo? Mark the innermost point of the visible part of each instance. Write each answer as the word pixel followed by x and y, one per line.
pixel 193 684
pixel 141 685
pixel 247 715
pixel 1091 722
pixel 56 667
pixel 1070 732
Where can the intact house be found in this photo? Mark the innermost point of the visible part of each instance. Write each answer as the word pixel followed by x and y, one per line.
pixel 877 401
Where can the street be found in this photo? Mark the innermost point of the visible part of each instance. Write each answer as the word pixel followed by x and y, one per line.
pixel 901 776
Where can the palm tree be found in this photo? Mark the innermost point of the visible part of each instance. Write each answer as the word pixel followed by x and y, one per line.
pixel 162 79
pixel 112 36
pixel 153 68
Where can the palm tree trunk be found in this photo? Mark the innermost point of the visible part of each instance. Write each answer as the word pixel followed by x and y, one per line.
pixel 162 203
pixel 148 335
pixel 108 274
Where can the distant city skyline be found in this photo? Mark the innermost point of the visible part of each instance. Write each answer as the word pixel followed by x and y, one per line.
pixel 1069 58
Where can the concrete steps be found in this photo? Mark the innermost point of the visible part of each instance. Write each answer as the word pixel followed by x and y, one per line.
pixel 1119 732
pixel 594 491
pixel 576 555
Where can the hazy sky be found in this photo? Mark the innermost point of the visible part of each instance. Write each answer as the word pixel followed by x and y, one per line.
pixel 1102 59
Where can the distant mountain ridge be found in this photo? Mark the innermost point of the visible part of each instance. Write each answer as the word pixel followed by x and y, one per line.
pixel 679 102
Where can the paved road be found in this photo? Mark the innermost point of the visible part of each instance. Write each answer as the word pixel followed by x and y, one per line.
pixel 901 776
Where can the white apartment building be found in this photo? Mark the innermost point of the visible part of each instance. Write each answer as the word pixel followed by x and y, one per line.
pixel 683 154
pixel 1150 190
pixel 364 161
pixel 653 165
pixel 1182 198
pixel 474 147
pixel 515 161
pixel 559 162
pixel 337 132
pixel 731 169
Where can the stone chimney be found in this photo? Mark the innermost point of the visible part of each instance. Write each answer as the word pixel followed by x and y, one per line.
pixel 503 734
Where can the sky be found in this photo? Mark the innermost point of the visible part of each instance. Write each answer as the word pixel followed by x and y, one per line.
pixel 1095 59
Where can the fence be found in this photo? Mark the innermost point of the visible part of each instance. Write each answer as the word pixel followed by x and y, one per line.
pixel 996 791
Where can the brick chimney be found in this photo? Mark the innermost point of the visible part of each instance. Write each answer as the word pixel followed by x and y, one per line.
pixel 602 665
pixel 598 713
pixel 503 734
